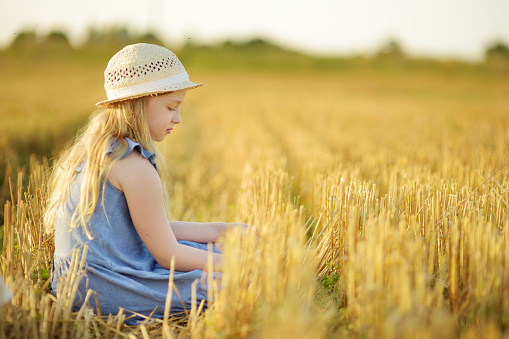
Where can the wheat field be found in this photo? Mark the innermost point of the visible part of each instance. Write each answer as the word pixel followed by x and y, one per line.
pixel 380 200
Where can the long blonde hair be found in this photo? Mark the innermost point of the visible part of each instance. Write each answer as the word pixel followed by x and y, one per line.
pixel 106 126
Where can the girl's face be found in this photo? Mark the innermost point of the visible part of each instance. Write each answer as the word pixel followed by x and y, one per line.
pixel 163 113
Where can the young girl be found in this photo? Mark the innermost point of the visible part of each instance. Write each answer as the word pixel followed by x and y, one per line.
pixel 106 193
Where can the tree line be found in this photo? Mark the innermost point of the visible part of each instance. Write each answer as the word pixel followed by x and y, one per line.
pixel 115 38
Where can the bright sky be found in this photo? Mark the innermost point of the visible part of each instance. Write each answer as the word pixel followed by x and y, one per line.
pixel 439 28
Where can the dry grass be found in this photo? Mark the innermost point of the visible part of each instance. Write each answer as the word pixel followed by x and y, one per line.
pixel 381 202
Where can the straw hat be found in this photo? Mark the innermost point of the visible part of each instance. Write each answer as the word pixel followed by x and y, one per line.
pixel 143 69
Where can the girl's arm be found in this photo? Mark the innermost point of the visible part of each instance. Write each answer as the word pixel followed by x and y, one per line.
pixel 138 179
pixel 201 232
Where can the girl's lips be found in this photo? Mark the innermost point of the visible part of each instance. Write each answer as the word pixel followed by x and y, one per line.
pixel 168 131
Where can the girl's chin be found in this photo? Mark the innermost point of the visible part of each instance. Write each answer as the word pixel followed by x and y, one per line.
pixel 158 138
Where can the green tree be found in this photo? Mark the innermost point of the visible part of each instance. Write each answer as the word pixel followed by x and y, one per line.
pixel 25 40
pixel 56 40
pixel 110 38
pixel 497 50
pixel 391 49
pixel 150 38
pixel 497 56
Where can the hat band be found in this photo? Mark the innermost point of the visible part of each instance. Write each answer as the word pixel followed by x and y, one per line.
pixel 147 87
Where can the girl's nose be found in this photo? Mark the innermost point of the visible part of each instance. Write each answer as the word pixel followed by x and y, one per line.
pixel 176 118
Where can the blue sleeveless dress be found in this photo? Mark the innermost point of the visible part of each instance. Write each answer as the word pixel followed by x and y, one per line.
pixel 119 267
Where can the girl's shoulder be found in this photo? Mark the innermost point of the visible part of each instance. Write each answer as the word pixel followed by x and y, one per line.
pixel 133 146
pixel 135 164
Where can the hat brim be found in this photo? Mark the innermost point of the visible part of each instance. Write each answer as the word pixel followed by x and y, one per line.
pixel 173 88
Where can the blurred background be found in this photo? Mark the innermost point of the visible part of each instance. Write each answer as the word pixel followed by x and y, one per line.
pixel 438 29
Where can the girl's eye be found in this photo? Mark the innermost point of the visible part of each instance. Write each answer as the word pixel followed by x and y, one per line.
pixel 171 108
